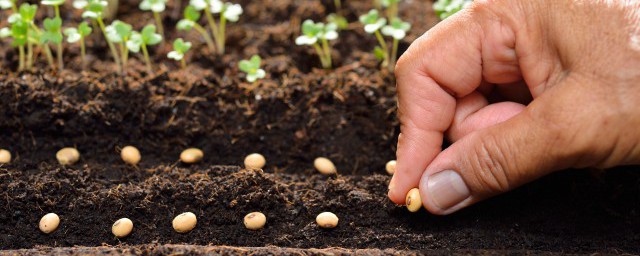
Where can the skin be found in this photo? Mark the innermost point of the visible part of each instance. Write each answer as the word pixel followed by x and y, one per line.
pixel 521 89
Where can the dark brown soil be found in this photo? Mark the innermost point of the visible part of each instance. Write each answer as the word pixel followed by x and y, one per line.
pixel 296 114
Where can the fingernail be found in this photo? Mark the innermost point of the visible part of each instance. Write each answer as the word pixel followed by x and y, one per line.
pixel 447 189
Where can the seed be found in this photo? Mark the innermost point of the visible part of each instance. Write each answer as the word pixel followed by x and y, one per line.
pixel 391 167
pixel 122 227
pixel 413 201
pixel 68 156
pixel 324 166
pixel 5 156
pixel 130 155
pixel 191 155
pixel 255 220
pixel 49 223
pixel 185 222
pixel 327 220
pixel 254 161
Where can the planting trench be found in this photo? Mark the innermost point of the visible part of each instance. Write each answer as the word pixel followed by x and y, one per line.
pixel 296 114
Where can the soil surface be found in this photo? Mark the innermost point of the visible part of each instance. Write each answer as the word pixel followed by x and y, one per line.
pixel 293 116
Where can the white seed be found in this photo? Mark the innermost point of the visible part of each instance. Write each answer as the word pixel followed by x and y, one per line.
pixel 5 156
pixel 49 223
pixel 122 227
pixel 254 161
pixel 255 220
pixel 413 200
pixel 130 155
pixel 191 155
pixel 185 222
pixel 324 166
pixel 391 167
pixel 68 156
pixel 327 220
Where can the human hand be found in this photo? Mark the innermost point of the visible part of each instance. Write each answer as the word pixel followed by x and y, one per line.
pixel 580 60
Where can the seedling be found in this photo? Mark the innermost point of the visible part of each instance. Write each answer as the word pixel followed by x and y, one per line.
pixel 147 36
pixel 53 29
pixel 446 8
pixel 373 22
pixel 157 7
pixel 78 35
pixel 5 156
pixel 254 161
pixel 94 9
pixel 413 200
pixel 327 220
pixel 68 156
pixel 49 223
pixel 191 155
pixel 397 29
pixel 324 166
pixel 8 4
pixel 130 155
pixel 228 12
pixel 317 34
pixel 255 220
pixel 122 227
pixel 119 33
pixel 24 32
pixel 180 48
pixel 190 21
pixel 392 8
pixel 337 17
pixel 253 70
pixel 184 222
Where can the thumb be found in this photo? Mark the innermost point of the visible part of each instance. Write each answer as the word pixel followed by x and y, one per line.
pixel 492 161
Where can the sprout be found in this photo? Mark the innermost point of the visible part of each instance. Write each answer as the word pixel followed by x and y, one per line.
pixel 392 8
pixel 446 8
pixel 119 32
pixel 314 32
pixel 147 36
pixel 53 31
pixel 78 35
pixel 94 9
pixel 190 21
pixel 180 48
pixel 155 6
pixel 24 32
pixel 227 11
pixel 337 17
pixel 398 30
pixel 373 22
pixel 252 68
pixel 8 4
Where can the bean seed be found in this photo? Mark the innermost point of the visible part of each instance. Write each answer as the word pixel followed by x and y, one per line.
pixel 122 227
pixel 324 166
pixel 255 220
pixel 5 156
pixel 391 167
pixel 68 156
pixel 327 220
pixel 191 155
pixel 413 201
pixel 130 155
pixel 49 223
pixel 254 161
pixel 185 222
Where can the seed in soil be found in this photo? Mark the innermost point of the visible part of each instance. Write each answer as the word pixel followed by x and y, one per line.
pixel 122 227
pixel 185 222
pixel 191 155
pixel 327 220
pixel 68 156
pixel 49 223
pixel 130 155
pixel 255 220
pixel 254 161
pixel 324 166
pixel 413 201
pixel 5 156
pixel 391 167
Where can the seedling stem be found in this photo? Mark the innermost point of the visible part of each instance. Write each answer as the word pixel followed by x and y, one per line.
pixel 112 47
pixel 60 61
pixel 156 15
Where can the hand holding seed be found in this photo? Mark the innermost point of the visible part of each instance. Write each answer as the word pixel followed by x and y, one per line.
pixel 521 89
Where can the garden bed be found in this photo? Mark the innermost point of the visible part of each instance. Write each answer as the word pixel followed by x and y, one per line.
pixel 296 114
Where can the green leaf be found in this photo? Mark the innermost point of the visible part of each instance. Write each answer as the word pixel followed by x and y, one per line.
pixel 72 35
pixel 250 66
pixel 379 53
pixel 255 61
pixel 339 20
pixel 28 11
pixel 52 31
pixel 84 29
pixel 181 46
pixel 191 13
pixel 312 29
pixel 185 25
pixel 52 2
pixel 19 33
pixel 135 42
pixel 149 35
pixel 245 66
pixel 122 29
pixel 6 4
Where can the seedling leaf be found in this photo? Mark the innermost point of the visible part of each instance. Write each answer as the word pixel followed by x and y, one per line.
pixel 52 2
pixel 153 5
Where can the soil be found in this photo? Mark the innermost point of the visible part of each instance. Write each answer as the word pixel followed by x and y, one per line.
pixel 297 113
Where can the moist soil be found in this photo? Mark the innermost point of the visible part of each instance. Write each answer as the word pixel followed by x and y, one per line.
pixel 297 113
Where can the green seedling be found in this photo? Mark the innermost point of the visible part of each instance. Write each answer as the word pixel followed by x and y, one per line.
pixel 392 8
pixel 25 33
pixel 53 29
pixel 157 7
pixel 252 68
pixel 318 36
pixel 94 9
pixel 119 33
pixel 8 4
pixel 397 29
pixel 446 8
pixel 146 37
pixel 190 21
pixel 373 22
pixel 78 35
pixel 337 17
pixel 180 48
pixel 227 11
